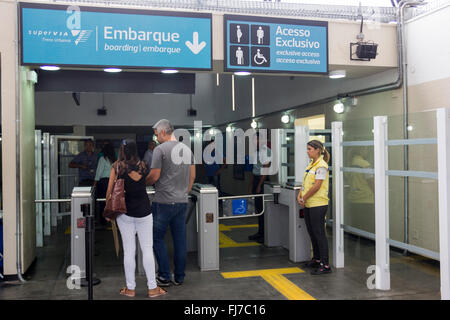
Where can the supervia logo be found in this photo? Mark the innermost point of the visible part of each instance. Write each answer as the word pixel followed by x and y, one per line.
pixel 73 23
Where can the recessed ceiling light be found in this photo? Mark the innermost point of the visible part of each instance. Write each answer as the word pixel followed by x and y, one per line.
pixel 254 124
pixel 112 70
pixel 337 74
pixel 338 107
pixel 169 71
pixel 50 68
pixel 242 73
pixel 285 118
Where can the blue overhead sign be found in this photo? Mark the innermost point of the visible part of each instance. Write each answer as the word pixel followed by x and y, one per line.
pixel 261 44
pixel 105 37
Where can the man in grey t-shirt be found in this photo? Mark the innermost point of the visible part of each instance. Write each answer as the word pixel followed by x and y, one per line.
pixel 173 173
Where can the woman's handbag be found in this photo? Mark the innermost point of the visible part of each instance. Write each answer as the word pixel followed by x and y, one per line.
pixel 116 205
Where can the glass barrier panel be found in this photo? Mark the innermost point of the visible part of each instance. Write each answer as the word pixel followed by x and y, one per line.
pixel 359 196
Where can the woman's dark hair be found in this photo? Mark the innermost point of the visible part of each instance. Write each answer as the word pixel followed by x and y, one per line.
pixel 128 151
pixel 316 144
pixel 109 153
pixel 129 156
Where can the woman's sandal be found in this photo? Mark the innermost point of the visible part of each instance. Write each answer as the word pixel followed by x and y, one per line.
pixel 159 292
pixel 127 292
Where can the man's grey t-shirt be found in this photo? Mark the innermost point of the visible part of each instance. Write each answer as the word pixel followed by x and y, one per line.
pixel 173 182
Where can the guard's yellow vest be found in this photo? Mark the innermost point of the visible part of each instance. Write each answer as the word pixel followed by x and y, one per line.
pixel 320 198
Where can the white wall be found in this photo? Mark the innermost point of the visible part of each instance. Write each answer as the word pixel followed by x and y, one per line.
pixel 428 47
pixel 11 83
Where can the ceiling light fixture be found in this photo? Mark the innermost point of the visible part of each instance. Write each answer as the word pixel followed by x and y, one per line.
pixel 285 118
pixel 338 107
pixel 112 70
pixel 337 74
pixel 169 71
pixel 242 73
pixel 50 68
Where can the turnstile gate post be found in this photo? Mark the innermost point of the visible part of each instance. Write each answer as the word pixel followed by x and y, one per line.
pixel 207 226
pixel 81 218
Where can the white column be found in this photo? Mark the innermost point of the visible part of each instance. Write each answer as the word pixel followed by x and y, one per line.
pixel 443 143
pixel 382 280
pixel 338 188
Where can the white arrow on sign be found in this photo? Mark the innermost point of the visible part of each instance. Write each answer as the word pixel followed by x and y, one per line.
pixel 194 46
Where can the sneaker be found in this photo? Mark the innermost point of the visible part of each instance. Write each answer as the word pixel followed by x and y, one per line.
pixel 314 264
pixel 177 283
pixel 321 270
pixel 162 282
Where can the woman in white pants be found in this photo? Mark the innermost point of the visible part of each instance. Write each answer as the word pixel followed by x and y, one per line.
pixel 138 218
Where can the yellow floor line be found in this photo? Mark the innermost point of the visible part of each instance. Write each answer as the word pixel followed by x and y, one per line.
pixel 227 242
pixel 276 279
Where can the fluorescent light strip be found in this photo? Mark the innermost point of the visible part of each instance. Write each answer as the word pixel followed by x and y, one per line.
pixel 50 68
pixel 112 70
pixel 253 97
pixel 232 93
pixel 169 71
pixel 242 73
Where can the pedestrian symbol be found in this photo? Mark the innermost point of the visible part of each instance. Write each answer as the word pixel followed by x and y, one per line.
pixel 260 35
pixel 239 33
pixel 239 56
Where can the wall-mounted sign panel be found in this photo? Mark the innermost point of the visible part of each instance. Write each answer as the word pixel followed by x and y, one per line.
pixel 259 44
pixel 105 37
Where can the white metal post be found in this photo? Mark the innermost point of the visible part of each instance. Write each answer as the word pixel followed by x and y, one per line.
pixel 38 186
pixel 46 168
pixel 338 188
pixel 54 177
pixel 277 145
pixel 443 143
pixel 383 279
pixel 301 157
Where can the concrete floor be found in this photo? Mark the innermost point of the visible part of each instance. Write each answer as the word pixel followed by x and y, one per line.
pixel 412 277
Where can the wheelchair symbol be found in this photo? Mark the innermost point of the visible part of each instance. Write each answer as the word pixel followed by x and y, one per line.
pixel 259 58
pixel 241 209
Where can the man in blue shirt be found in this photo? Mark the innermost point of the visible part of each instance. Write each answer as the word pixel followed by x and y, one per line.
pixel 149 154
pixel 214 169
pixel 86 162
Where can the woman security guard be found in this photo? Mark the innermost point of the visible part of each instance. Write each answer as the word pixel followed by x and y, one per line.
pixel 313 196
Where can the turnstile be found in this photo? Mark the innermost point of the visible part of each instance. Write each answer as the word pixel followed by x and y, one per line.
pixel 80 195
pixel 206 227
pixel 284 226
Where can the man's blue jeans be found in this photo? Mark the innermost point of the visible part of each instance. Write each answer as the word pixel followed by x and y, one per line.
pixel 173 215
